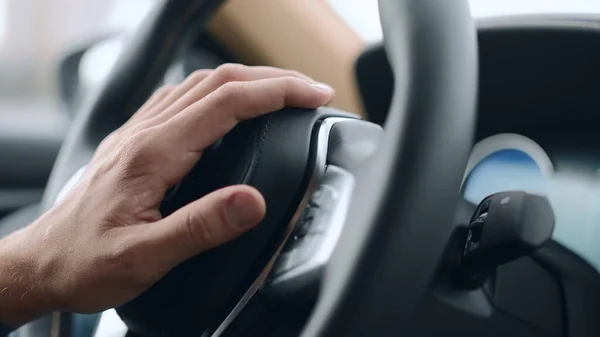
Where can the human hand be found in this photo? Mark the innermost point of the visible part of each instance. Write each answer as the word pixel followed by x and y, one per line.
pixel 106 241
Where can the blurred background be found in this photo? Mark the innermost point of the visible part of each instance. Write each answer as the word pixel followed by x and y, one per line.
pixel 35 35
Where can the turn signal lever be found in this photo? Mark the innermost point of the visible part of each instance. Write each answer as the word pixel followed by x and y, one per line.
pixel 504 227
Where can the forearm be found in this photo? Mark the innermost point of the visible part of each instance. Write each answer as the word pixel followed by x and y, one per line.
pixel 21 288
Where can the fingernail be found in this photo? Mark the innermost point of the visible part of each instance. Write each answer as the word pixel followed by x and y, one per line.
pixel 242 211
pixel 323 87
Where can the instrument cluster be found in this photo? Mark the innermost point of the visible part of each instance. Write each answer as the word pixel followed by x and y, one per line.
pixel 506 162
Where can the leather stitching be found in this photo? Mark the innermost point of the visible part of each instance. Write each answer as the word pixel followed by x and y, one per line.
pixel 255 164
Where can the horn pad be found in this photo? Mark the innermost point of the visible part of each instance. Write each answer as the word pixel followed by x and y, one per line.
pixel 274 153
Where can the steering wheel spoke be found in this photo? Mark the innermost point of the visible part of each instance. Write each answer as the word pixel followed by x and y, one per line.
pixel 302 260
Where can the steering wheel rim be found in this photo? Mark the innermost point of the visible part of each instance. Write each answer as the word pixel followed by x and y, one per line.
pixel 132 80
pixel 414 181
pixel 379 272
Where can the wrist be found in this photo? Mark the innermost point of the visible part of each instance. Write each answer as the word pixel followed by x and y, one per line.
pixel 23 290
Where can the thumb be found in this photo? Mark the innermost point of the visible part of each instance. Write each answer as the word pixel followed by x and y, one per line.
pixel 208 222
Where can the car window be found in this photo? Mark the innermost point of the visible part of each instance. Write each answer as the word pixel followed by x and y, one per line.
pixel 363 15
pixel 36 34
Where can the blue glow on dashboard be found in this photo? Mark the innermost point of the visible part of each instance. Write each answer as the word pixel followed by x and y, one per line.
pixel 575 196
pixel 504 170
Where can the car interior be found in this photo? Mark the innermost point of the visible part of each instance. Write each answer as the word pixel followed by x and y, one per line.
pixel 452 186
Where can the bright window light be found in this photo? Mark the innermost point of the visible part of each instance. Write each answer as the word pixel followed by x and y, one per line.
pixel 3 20
pixel 363 15
pixel 99 61
pixel 128 14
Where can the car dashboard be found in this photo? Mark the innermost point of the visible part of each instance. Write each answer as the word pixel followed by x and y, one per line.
pixel 571 182
pixel 541 81
pixel 538 130
pixel 538 127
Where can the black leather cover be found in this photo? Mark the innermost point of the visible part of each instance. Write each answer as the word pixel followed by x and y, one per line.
pixel 375 81
pixel 272 153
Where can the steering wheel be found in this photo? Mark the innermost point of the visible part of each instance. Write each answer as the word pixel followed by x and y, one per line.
pixel 359 218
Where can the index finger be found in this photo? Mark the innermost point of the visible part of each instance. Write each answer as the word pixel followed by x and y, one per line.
pixel 212 117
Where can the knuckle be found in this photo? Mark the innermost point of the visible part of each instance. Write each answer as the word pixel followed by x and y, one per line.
pixel 199 75
pixel 230 72
pixel 295 74
pixel 134 130
pixel 292 83
pixel 292 86
pixel 235 97
pixel 164 90
pixel 111 138
pixel 197 233
pixel 231 90
pixel 136 147
pixel 167 88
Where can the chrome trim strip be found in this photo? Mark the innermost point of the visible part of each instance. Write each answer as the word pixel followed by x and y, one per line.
pixel 343 183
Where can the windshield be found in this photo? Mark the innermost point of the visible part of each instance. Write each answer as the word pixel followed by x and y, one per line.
pixel 363 15
pixel 35 35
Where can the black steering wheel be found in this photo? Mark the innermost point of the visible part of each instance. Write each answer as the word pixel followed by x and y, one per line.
pixel 384 200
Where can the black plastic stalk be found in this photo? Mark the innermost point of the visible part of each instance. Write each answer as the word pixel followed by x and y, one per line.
pixel 504 227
